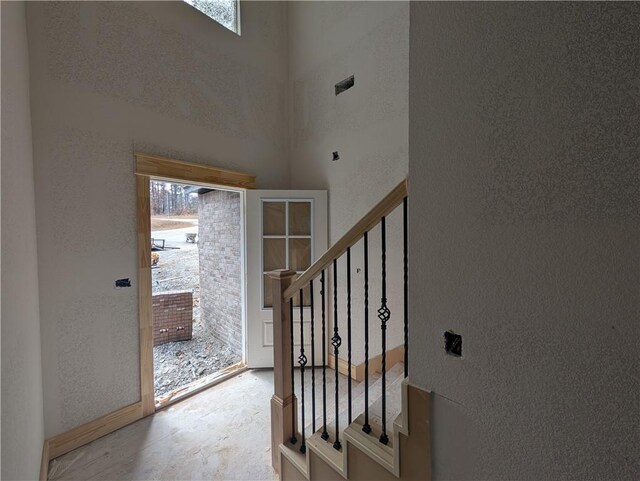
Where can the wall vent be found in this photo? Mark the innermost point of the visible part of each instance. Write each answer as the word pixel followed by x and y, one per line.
pixel 345 84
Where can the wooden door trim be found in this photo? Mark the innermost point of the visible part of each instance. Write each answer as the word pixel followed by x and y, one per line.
pixel 178 170
pixel 147 167
pixel 145 316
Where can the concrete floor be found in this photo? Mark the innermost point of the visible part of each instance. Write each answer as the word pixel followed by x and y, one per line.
pixel 222 433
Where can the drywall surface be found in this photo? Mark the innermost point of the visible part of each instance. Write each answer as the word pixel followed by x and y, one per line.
pixel 22 417
pixel 524 236
pixel 367 125
pixel 220 261
pixel 108 79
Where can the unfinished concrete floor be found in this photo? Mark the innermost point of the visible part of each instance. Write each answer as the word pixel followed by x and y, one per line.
pixel 222 433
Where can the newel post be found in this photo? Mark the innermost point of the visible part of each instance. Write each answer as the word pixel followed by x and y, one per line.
pixel 282 410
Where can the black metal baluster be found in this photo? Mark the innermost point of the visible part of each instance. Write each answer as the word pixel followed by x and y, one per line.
pixel 335 342
pixel 293 440
pixel 366 427
pixel 302 360
pixel 349 331
pixel 406 283
pixel 313 360
pixel 325 434
pixel 384 314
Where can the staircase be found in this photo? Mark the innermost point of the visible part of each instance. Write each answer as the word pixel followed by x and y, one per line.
pixel 380 428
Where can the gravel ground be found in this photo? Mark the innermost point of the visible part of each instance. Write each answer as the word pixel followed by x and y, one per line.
pixel 182 362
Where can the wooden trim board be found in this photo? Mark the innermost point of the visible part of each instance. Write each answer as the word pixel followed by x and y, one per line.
pixel 394 356
pixel 171 169
pixel 65 442
pixel 44 462
pixel 145 314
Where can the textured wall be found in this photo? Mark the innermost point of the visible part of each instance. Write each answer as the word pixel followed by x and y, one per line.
pixel 108 79
pixel 367 125
pixel 525 207
pixel 219 251
pixel 22 418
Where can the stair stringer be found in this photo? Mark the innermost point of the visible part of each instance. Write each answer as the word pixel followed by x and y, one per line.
pixel 389 457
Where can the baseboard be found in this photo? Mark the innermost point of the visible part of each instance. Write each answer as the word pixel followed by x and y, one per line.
pixel 84 434
pixel 44 463
pixel 394 356
pixel 70 440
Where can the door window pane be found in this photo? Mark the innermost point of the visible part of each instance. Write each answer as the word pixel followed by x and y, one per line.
pixel 299 218
pixel 273 218
pixel 274 254
pixel 299 254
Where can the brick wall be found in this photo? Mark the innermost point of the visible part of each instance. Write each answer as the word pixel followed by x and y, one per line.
pixel 219 255
pixel 172 316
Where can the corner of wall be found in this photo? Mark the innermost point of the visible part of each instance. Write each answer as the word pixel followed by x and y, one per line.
pixel 22 398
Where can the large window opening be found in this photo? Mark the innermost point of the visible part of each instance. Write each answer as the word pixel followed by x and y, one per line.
pixel 225 12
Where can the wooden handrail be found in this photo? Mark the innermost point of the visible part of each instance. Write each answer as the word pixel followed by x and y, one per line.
pixel 370 220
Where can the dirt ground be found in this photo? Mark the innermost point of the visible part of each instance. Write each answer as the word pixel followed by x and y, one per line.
pixel 179 363
pixel 168 223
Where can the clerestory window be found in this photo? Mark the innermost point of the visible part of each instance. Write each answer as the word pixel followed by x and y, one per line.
pixel 225 12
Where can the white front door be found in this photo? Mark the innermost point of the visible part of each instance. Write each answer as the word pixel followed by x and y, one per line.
pixel 285 229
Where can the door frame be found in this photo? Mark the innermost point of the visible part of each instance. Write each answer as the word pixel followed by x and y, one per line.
pixel 161 168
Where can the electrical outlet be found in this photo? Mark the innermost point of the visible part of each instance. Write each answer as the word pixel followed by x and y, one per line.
pixel 453 344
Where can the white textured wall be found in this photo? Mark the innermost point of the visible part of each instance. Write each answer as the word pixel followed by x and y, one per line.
pixel 368 126
pixel 108 79
pixel 22 417
pixel 524 236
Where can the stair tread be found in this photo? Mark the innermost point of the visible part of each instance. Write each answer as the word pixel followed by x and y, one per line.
pixel 334 457
pixel 367 442
pixel 394 378
pixel 357 403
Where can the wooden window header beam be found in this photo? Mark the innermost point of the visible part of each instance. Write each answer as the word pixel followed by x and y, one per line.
pixel 170 169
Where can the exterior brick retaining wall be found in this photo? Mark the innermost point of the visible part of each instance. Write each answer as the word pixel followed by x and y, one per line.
pixel 172 316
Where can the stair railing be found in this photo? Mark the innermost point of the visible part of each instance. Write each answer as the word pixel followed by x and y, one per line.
pixel 284 405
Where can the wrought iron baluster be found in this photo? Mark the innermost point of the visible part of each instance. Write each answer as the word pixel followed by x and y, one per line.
pixel 366 427
pixel 302 360
pixel 405 247
pixel 313 360
pixel 325 434
pixel 384 314
pixel 349 333
pixel 293 439
pixel 336 341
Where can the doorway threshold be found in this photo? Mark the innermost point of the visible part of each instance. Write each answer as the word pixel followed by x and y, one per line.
pixel 199 385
